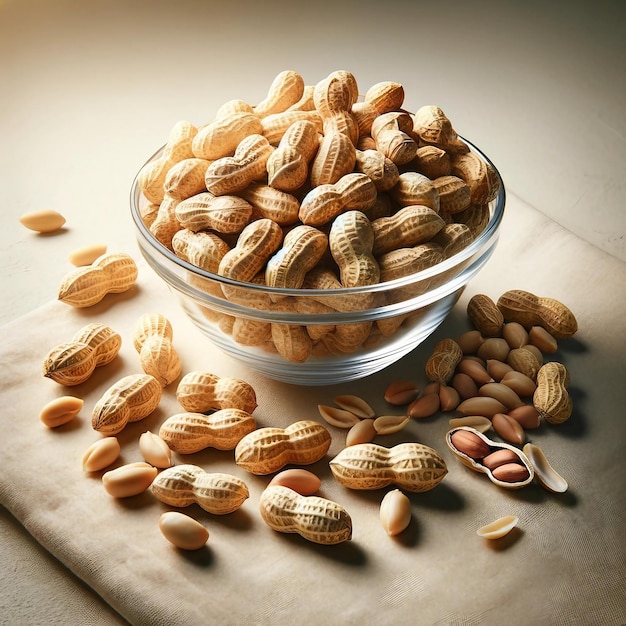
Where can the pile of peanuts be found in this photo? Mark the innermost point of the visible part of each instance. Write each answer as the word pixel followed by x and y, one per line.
pixel 314 189
pixel 217 413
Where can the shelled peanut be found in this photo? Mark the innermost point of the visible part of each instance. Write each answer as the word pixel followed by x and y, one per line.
pixel 364 182
pixel 497 370
pixel 73 362
pixel 504 464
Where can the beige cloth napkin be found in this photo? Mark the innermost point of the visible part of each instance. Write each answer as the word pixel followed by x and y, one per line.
pixel 564 565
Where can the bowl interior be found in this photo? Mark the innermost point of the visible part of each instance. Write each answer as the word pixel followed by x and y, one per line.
pixel 373 326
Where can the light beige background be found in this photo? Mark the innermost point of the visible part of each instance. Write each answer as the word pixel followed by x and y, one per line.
pixel 90 89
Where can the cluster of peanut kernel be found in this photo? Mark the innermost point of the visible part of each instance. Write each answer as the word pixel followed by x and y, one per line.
pixel 314 188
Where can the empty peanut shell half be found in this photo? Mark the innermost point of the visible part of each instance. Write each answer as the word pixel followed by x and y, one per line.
pixel 498 528
pixel 355 405
pixel 547 476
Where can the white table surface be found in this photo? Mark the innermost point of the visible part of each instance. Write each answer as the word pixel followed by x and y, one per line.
pixel 90 89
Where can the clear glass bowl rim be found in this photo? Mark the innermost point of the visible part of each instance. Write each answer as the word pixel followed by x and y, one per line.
pixel 485 236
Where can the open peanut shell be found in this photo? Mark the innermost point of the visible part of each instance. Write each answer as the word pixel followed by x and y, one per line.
pixel 476 465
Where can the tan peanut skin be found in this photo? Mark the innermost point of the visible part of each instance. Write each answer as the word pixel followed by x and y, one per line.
pixel 410 466
pixel 523 475
pixel 60 411
pixel 267 450
pixel 183 485
pixel 130 399
pixel 129 480
pixel 187 433
pixel 314 518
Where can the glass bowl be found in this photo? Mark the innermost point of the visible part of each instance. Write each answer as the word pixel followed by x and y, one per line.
pixel 326 336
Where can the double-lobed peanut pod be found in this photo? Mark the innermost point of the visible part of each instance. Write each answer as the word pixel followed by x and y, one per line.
pixel 200 392
pixel 391 133
pixel 130 399
pixel 316 519
pixel 221 137
pixel 153 341
pixel 504 464
pixel 151 178
pixel 187 433
pixel 479 175
pixel 334 97
pixel 335 157
pixel 302 249
pixel 206 211
pixel 257 242
pixel 202 249
pixel 410 466
pixel 433 127
pixel 415 188
pixel 530 310
pixel 354 191
pixel 351 240
pixel 385 96
pixel 165 224
pixel 551 398
pixel 485 315
pixel 380 168
pixel 454 194
pixel 215 492
pixel 72 363
pixel 285 91
pixel 186 178
pixel 231 174
pixel 442 362
pixel 270 203
pixel 288 166
pixel 87 285
pixel 267 450
pixel 275 125
pixel 410 226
